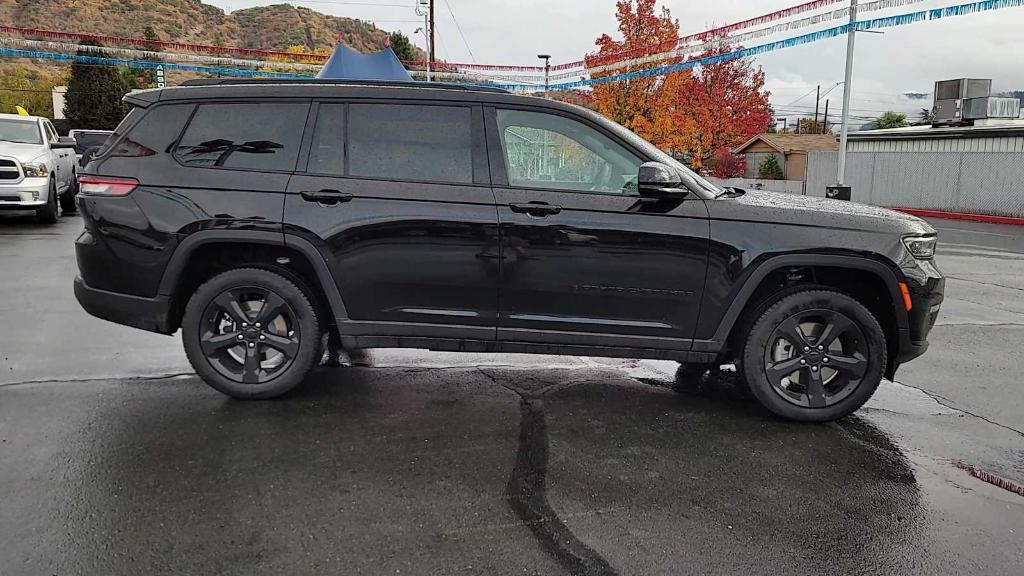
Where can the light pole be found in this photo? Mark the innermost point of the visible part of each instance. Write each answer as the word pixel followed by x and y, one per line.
pixel 425 8
pixel 547 70
pixel 847 89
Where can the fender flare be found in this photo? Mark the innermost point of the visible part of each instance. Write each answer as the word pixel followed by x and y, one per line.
pixel 774 263
pixel 180 259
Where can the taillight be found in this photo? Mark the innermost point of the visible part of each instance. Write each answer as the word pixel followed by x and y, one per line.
pixel 106 186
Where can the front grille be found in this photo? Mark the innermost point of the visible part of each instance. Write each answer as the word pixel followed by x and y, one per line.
pixel 9 170
pixel 10 198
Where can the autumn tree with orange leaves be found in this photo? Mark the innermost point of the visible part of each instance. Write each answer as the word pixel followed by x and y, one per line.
pixel 727 103
pixel 695 113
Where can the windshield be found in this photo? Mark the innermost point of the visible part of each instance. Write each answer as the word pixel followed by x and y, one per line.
pixel 20 131
pixel 87 140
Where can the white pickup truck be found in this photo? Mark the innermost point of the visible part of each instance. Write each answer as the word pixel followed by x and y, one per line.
pixel 37 168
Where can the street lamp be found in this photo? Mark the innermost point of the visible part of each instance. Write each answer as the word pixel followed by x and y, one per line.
pixel 427 36
pixel 547 69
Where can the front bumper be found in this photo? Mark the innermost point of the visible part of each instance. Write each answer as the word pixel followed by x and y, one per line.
pixel 150 314
pixel 29 194
pixel 927 289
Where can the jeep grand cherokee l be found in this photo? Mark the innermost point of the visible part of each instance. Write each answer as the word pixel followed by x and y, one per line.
pixel 257 215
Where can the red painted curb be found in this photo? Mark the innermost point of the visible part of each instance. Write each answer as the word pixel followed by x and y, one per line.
pixel 1013 221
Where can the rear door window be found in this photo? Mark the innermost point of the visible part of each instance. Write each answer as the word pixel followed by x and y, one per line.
pixel 245 136
pixel 327 153
pixel 411 142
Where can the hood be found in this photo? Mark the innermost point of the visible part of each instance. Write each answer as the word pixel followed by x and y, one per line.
pixel 783 208
pixel 23 152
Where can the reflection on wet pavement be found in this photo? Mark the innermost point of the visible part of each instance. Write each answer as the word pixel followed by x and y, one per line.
pixel 520 468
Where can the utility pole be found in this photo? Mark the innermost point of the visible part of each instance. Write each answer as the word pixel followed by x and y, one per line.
pixel 817 99
pixel 824 124
pixel 547 70
pixel 847 89
pixel 430 28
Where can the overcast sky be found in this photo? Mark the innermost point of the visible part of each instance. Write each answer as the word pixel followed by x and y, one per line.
pixel 907 58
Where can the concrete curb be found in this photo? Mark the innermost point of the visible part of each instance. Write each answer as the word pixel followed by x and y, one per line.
pixel 1013 221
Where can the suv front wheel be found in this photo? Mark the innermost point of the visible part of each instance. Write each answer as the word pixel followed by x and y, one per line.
pixel 814 356
pixel 251 333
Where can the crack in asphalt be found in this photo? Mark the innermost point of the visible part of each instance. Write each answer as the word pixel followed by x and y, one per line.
pixel 985 283
pixel 527 485
pixel 98 379
pixel 952 405
pixel 981 324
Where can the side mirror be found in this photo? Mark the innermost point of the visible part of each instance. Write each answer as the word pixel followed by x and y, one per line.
pixel 64 142
pixel 656 180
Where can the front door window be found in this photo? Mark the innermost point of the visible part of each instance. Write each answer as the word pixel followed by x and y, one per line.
pixel 555 152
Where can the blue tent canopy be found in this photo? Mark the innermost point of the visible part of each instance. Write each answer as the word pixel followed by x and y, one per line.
pixel 349 64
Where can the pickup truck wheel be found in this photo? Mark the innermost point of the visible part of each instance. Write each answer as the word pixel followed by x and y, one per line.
pixel 67 201
pixel 48 213
pixel 814 356
pixel 251 333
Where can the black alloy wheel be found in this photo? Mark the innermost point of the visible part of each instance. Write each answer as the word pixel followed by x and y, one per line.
pixel 816 358
pixel 814 355
pixel 251 333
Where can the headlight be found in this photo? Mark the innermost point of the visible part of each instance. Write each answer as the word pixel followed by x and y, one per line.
pixel 35 170
pixel 921 247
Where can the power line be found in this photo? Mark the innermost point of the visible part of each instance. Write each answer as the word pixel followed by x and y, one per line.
pixel 459 28
pixel 802 97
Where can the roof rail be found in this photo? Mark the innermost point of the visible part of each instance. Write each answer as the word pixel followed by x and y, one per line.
pixel 341 82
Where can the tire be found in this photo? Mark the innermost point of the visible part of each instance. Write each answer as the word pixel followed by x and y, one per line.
pixel 67 201
pixel 48 214
pixel 792 377
pixel 241 350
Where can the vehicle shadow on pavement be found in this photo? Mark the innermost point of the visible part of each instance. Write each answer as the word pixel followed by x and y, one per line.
pixel 481 470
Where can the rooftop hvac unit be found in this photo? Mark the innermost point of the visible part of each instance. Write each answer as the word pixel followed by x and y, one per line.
pixel 950 96
pixel 991 107
pixel 962 88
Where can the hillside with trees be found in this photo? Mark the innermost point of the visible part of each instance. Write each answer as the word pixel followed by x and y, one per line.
pixel 275 27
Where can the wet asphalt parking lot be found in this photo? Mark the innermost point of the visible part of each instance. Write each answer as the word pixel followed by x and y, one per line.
pixel 115 459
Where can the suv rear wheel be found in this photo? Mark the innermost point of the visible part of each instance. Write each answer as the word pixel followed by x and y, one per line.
pixel 251 333
pixel 814 356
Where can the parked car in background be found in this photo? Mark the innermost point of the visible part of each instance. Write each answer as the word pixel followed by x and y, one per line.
pixel 37 168
pixel 259 216
pixel 87 142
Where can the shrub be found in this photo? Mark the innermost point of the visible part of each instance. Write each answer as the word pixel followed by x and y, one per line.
pixel 769 169
pixel 725 164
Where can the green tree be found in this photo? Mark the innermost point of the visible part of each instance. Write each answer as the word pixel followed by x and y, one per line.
pixel 94 96
pixel 29 87
pixel 890 120
pixel 769 169
pixel 142 78
pixel 925 116
pixel 402 46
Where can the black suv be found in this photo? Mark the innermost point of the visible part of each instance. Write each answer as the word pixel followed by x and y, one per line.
pixel 259 216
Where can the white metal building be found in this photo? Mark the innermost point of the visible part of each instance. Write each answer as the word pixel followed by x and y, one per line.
pixel 976 169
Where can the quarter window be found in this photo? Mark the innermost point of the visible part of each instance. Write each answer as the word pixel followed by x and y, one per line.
pixel 550 151
pixel 256 136
pixel 410 142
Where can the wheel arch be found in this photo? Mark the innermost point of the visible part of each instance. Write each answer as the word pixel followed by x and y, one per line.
pixel 312 270
pixel 753 292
